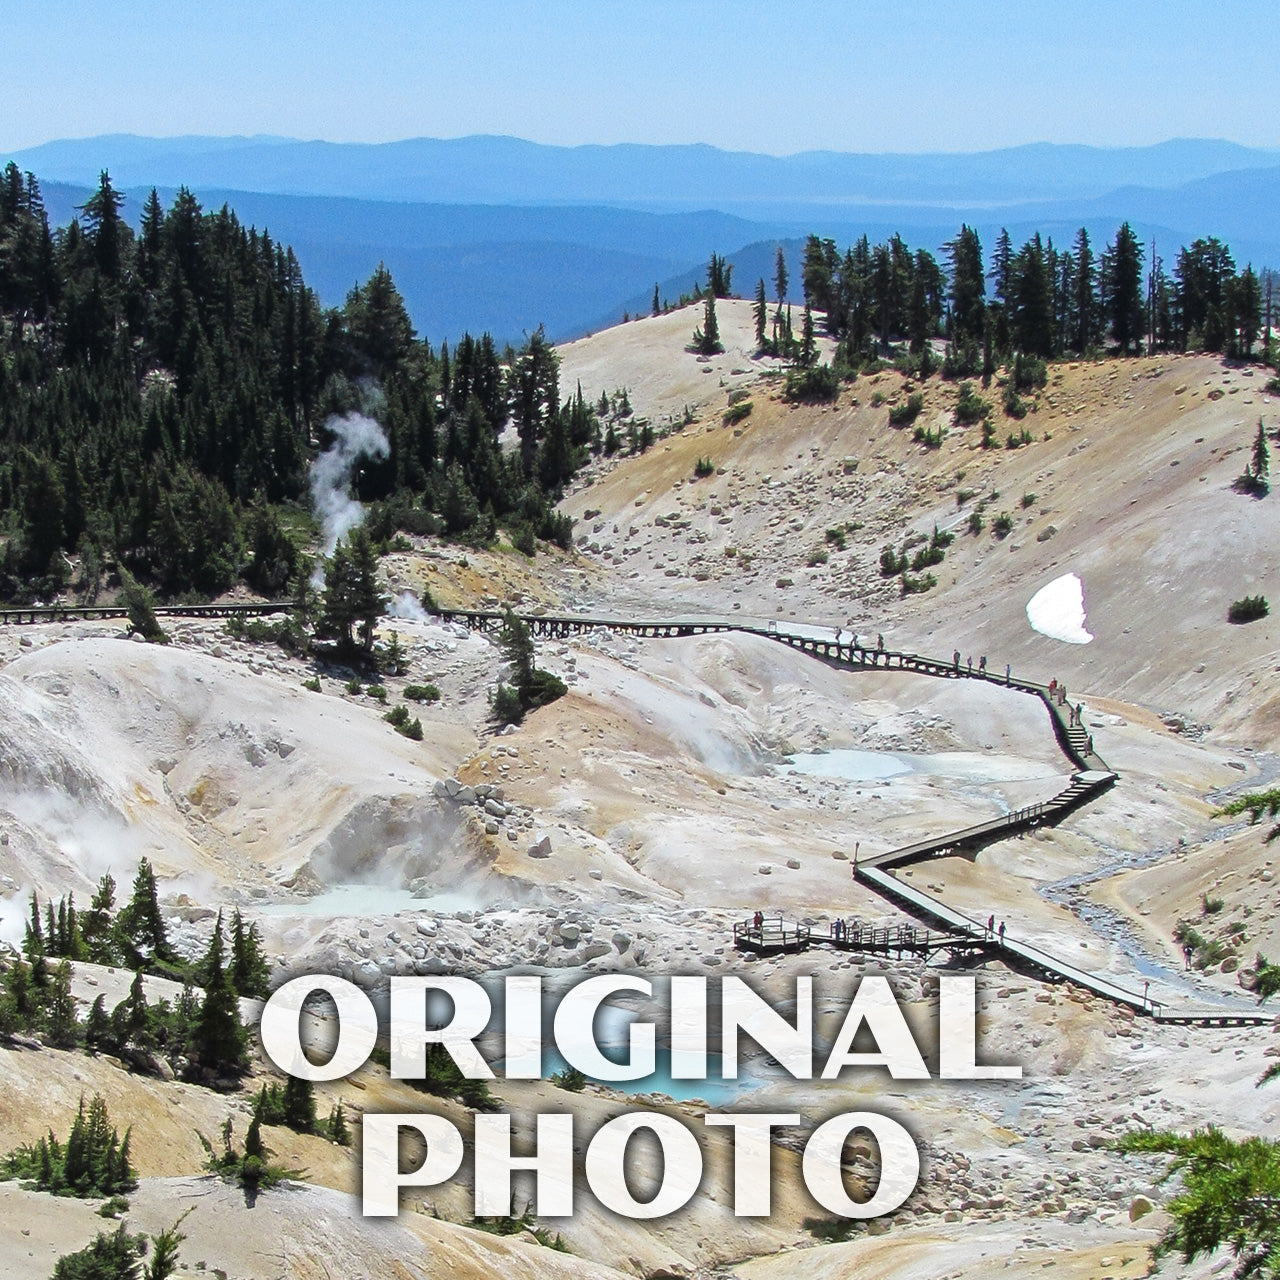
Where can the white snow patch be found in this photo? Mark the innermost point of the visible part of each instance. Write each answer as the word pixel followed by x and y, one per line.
pixel 1057 610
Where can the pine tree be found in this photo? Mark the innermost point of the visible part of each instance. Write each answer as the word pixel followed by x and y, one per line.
pixel 967 288
pixel 761 315
pixel 63 1030
pixel 299 1105
pixel 352 602
pixel 780 279
pixel 249 972
pixel 97 1032
pixel 141 923
pixel 33 942
pixel 97 927
pixel 706 338
pixel 336 1129
pixel 808 343
pixel 1124 289
pixel 657 306
pixel 219 1041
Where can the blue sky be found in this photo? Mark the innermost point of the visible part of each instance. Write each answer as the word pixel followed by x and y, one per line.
pixel 776 77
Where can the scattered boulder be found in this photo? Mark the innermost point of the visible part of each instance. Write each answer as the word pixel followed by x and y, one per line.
pixel 1139 1207
pixel 542 849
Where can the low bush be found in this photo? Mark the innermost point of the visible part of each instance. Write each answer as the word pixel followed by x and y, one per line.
pixel 971 407
pixel 903 415
pixel 1250 609
pixel 817 385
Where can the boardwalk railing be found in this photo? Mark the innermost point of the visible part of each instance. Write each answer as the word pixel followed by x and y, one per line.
pixel 29 614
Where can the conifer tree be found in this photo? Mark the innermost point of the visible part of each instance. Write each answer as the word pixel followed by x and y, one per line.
pixel 1124 289
pixel 219 1040
pixel 299 1105
pixel 808 343
pixel 63 1031
pixel 249 973
pixel 706 338
pixel 141 923
pixel 761 315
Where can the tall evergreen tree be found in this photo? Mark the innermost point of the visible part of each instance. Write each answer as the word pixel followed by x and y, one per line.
pixel 141 923
pixel 220 1040
pixel 1124 289
pixel 967 289
pixel 761 315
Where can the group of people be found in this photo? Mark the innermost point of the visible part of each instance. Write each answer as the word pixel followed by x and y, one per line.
pixel 992 931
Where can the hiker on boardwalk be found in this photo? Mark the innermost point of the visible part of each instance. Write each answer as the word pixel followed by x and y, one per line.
pixel 982 665
pixel 971 664
pixel 1008 674
pixel 991 924
pixel 880 641
pixel 1053 687
pixel 758 920
pixel 955 660
pixel 1002 933
pixel 1187 954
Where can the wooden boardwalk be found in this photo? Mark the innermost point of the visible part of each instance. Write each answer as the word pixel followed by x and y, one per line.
pixel 30 614
pixel 1092 778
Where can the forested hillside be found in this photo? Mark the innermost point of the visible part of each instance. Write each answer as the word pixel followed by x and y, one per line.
pixel 162 395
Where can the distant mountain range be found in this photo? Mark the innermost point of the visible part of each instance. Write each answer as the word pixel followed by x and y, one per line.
pixel 502 234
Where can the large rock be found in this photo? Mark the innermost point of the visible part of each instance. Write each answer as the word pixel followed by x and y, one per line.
pixel 1140 1207
pixel 542 849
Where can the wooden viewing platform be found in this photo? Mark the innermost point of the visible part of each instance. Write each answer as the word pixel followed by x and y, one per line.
pixel 775 936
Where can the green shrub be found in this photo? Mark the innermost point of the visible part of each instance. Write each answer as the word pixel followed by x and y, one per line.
pixel 737 412
pixel 917 586
pixel 903 415
pixel 1250 609
pixel 422 693
pixel 836 538
pixel 1014 405
pixel 313 684
pixel 971 407
pixel 891 563
pixel 524 540
pixel 816 385
pixel 506 704
pixel 817 557
pixel 931 439
pixel 377 692
pixel 1002 525
pixel 703 468
pixel 1028 500
pixel 398 718
pixel 570 1079
pixel 926 557
pixel 975 522
pixel 1029 373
